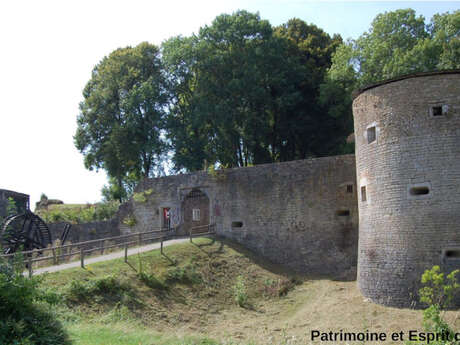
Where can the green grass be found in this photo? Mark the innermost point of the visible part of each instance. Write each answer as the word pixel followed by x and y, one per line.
pixel 157 299
pixel 126 334
pixel 78 213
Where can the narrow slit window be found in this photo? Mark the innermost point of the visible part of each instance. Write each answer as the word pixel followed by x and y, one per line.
pixel 343 213
pixel 452 254
pixel 363 194
pixel 196 214
pixel 371 134
pixel 237 224
pixel 421 190
pixel 350 188
pixel 437 111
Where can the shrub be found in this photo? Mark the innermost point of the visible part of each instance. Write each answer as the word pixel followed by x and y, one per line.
pixel 183 275
pixel 24 315
pixel 99 290
pixel 438 289
pixel 438 292
pixel 139 197
pixel 240 293
pixel 80 214
pixel 106 210
pixel 11 209
pixel 277 288
pixel 151 281
pixel 218 174
pixel 130 220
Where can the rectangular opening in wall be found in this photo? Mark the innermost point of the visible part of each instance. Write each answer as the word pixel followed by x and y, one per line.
pixel 371 134
pixel 349 188
pixel 237 224
pixel 419 190
pixel 343 213
pixel 452 253
pixel 196 214
pixel 363 193
pixel 437 111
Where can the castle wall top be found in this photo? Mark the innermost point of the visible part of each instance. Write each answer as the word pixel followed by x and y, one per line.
pixel 301 214
pixel 356 93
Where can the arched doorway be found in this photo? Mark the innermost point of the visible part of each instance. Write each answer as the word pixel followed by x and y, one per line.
pixel 196 211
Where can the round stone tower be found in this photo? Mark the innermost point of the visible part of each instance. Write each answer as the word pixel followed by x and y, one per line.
pixel 407 134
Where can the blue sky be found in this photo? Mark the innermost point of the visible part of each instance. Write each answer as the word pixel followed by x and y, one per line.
pixel 348 18
pixel 49 47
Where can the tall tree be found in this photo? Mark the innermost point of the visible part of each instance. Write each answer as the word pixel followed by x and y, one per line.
pixel 239 88
pixel 121 117
pixel 307 130
pixel 397 43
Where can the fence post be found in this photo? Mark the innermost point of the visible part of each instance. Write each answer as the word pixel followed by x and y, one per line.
pixel 54 256
pixel 190 235
pixel 82 257
pixel 139 239
pixel 30 266
pixel 126 253
pixel 161 246
pixel 67 251
pixel 102 247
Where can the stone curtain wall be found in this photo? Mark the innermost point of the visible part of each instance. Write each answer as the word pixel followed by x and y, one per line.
pixel 301 214
pixel 295 213
pixel 86 231
pixel 165 192
pixel 411 175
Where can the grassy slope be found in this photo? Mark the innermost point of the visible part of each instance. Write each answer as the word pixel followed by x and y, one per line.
pixel 206 307
pixel 61 207
pixel 78 213
pixel 126 333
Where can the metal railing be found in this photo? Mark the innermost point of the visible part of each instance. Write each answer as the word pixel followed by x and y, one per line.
pixel 57 253
pixel 211 230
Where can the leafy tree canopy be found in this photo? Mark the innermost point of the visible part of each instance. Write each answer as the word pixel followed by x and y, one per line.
pixel 240 88
pixel 398 43
pixel 120 121
pixel 241 92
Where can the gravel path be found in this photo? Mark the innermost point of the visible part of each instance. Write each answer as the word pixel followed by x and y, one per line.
pixel 106 257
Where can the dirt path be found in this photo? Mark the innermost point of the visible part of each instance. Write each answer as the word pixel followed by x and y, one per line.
pixel 106 257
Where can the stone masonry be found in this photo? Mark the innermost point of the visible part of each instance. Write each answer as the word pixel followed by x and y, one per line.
pixel 301 214
pixel 407 134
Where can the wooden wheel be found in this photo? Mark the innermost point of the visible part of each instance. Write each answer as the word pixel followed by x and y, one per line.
pixel 25 231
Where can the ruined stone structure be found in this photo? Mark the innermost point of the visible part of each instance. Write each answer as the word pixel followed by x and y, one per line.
pixel 301 214
pixel 407 134
pixel 45 202
pixel 21 201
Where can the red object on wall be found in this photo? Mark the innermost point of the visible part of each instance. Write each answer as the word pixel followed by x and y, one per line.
pixel 166 218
